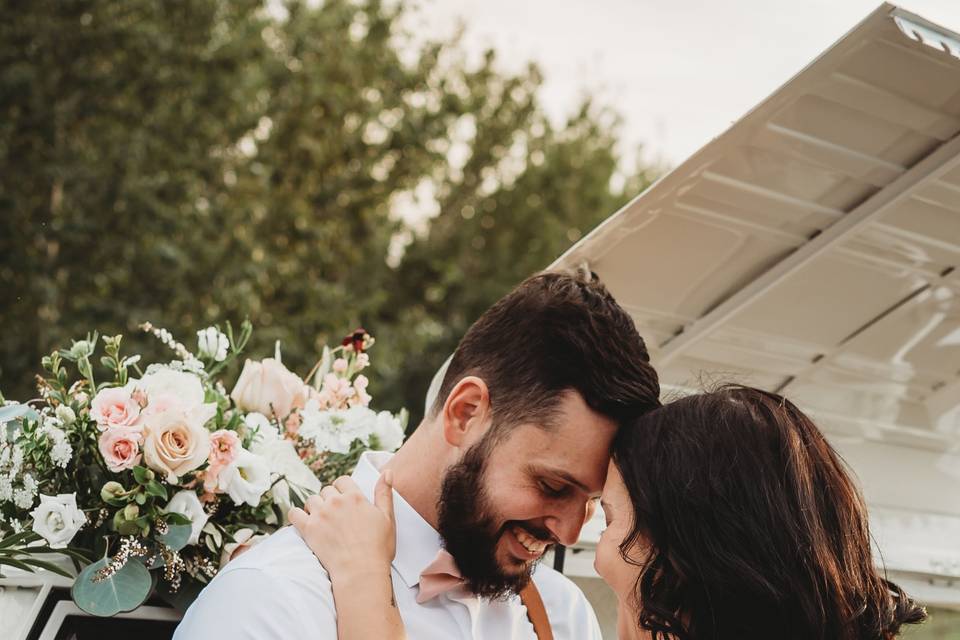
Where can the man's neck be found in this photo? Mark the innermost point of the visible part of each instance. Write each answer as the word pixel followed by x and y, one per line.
pixel 417 471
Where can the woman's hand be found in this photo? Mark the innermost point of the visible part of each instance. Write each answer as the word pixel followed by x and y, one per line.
pixel 355 541
pixel 352 538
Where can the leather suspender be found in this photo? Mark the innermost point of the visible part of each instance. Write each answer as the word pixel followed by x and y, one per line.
pixel 536 611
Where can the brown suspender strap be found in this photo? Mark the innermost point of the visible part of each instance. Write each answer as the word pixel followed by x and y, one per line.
pixel 536 611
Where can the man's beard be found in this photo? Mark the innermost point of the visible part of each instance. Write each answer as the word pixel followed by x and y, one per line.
pixel 470 532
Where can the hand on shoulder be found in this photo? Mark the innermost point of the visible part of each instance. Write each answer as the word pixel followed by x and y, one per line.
pixel 350 536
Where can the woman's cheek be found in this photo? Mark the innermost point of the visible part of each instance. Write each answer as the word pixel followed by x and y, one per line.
pixel 611 566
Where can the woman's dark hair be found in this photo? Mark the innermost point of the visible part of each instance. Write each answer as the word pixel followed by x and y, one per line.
pixel 555 332
pixel 747 525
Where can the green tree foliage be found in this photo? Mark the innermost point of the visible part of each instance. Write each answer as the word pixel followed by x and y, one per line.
pixel 191 161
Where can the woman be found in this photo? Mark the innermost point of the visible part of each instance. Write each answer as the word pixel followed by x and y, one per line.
pixel 729 516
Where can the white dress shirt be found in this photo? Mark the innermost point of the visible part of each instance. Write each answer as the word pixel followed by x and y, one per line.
pixel 279 590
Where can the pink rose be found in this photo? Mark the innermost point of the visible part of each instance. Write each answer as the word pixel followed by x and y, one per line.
pixel 114 407
pixel 267 387
pixel 120 448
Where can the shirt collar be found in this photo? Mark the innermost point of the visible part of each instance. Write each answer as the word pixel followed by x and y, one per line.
pixel 417 542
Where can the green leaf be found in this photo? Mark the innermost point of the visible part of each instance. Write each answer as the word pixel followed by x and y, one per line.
pixel 177 518
pixel 176 536
pixel 295 498
pixel 19 564
pixel 154 488
pixel 49 566
pixel 75 554
pixel 125 590
pixel 140 474
pixel 19 539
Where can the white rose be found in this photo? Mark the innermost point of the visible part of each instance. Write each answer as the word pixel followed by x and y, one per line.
pixel 245 479
pixel 267 387
pixel 186 503
pixel 175 442
pixel 211 343
pixel 185 387
pixel 57 519
pixel 388 431
pixel 282 459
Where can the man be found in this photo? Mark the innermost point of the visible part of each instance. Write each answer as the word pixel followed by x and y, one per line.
pixel 510 459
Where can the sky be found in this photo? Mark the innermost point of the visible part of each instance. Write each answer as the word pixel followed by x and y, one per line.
pixel 680 72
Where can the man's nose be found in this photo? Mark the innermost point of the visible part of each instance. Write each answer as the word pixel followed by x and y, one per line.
pixel 565 524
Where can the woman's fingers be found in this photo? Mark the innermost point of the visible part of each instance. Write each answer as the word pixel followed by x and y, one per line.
pixel 328 492
pixel 345 485
pixel 298 518
pixel 313 504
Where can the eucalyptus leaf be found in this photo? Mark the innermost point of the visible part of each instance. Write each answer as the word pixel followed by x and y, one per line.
pixel 125 590
pixel 176 536
pixel 16 411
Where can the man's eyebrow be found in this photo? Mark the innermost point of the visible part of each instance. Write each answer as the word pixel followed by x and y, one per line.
pixel 560 474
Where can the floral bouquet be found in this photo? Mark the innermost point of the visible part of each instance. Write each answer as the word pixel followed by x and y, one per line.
pixel 151 480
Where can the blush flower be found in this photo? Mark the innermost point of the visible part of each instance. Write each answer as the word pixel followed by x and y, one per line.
pixel 224 449
pixel 269 388
pixel 120 448
pixel 114 407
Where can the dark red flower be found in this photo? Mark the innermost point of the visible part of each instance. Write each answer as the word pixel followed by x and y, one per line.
pixel 356 339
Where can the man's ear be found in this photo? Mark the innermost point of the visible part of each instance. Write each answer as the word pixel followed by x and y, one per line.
pixel 466 412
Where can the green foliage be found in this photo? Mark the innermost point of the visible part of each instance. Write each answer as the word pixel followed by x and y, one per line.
pixel 125 590
pixel 14 553
pixel 183 162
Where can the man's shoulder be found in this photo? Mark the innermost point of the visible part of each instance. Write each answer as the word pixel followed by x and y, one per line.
pixel 276 590
pixel 284 556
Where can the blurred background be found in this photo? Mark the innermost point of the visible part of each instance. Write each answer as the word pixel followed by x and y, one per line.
pixel 317 166
pixel 312 167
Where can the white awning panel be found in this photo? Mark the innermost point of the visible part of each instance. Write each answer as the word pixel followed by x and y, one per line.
pixel 812 249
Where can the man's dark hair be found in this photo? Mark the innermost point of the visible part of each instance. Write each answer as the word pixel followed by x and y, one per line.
pixel 553 333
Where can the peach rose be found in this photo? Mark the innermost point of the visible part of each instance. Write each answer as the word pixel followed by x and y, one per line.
pixel 114 407
pixel 176 442
pixel 120 448
pixel 267 387
pixel 224 448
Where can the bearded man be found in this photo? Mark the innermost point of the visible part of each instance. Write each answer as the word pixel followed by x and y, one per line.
pixel 509 460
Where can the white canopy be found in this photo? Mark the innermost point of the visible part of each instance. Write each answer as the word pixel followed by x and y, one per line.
pixel 812 250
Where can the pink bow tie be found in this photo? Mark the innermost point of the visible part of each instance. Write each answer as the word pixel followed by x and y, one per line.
pixel 438 577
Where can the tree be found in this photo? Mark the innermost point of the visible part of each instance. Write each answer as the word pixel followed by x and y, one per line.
pixel 193 161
